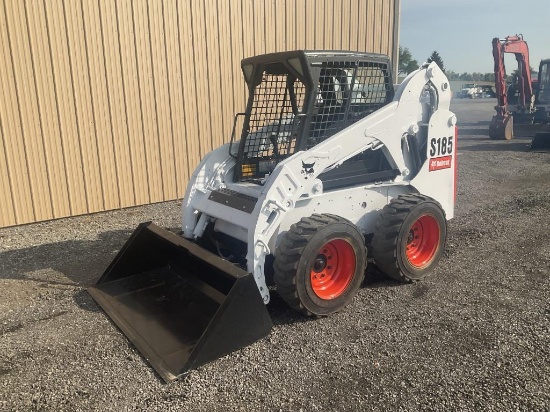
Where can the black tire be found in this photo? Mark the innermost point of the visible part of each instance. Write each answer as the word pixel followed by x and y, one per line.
pixel 304 275
pixel 409 238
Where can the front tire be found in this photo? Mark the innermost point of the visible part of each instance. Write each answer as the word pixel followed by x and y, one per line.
pixel 320 264
pixel 410 237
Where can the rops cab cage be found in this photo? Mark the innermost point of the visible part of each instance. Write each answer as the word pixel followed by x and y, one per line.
pixel 298 99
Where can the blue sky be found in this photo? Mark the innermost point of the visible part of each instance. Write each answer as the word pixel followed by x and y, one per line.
pixel 461 30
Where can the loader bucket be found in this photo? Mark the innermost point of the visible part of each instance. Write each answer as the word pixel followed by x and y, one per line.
pixel 541 142
pixel 179 304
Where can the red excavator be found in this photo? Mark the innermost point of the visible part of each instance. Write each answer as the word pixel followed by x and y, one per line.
pixel 502 124
pixel 529 114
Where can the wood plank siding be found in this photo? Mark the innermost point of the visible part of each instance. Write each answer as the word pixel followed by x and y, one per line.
pixel 106 104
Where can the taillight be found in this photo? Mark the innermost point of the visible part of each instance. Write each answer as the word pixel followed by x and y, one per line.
pixel 456 163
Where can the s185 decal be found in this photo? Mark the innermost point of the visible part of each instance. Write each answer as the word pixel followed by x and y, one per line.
pixel 441 146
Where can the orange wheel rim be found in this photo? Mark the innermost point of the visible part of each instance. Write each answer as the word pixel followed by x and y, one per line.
pixel 423 241
pixel 333 269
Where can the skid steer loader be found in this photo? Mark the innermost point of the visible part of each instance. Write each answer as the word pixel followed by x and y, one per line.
pixel 331 160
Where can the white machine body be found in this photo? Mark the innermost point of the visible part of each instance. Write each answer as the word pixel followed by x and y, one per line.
pixel 293 190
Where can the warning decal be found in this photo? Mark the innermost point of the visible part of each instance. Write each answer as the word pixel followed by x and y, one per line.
pixel 438 163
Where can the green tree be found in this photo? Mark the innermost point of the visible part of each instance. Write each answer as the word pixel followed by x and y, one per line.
pixel 435 57
pixel 477 76
pixel 489 77
pixel 452 75
pixel 406 63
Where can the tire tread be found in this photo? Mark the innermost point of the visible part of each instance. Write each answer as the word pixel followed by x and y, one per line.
pixel 388 226
pixel 290 251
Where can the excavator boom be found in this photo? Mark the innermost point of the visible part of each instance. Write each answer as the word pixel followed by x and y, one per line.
pixel 502 125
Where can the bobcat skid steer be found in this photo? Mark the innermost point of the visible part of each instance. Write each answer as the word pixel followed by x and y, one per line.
pixel 331 160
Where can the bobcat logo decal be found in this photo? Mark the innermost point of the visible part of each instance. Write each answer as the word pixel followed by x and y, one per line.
pixel 307 169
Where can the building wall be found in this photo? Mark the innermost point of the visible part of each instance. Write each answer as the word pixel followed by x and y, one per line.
pixel 106 104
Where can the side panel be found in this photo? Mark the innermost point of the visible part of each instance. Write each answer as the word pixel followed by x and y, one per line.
pixel 360 205
pixel 437 176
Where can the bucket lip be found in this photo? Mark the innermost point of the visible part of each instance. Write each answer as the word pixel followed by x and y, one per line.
pixel 141 345
pixel 201 352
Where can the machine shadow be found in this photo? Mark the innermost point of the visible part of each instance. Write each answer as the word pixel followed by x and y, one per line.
pixel 498 146
pixel 74 263
pixel 462 125
pixel 80 263
pixel 473 132
pixel 70 262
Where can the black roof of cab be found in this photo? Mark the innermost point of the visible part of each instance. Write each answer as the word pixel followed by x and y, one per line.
pixel 313 56
pixel 300 61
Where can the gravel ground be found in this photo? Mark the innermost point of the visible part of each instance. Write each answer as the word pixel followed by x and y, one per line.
pixel 474 336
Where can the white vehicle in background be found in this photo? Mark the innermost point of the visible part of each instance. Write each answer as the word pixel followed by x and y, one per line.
pixel 470 90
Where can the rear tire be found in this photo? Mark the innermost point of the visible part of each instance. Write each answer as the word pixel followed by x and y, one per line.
pixel 410 237
pixel 320 264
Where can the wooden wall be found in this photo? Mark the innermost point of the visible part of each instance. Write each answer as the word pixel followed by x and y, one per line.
pixel 106 104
